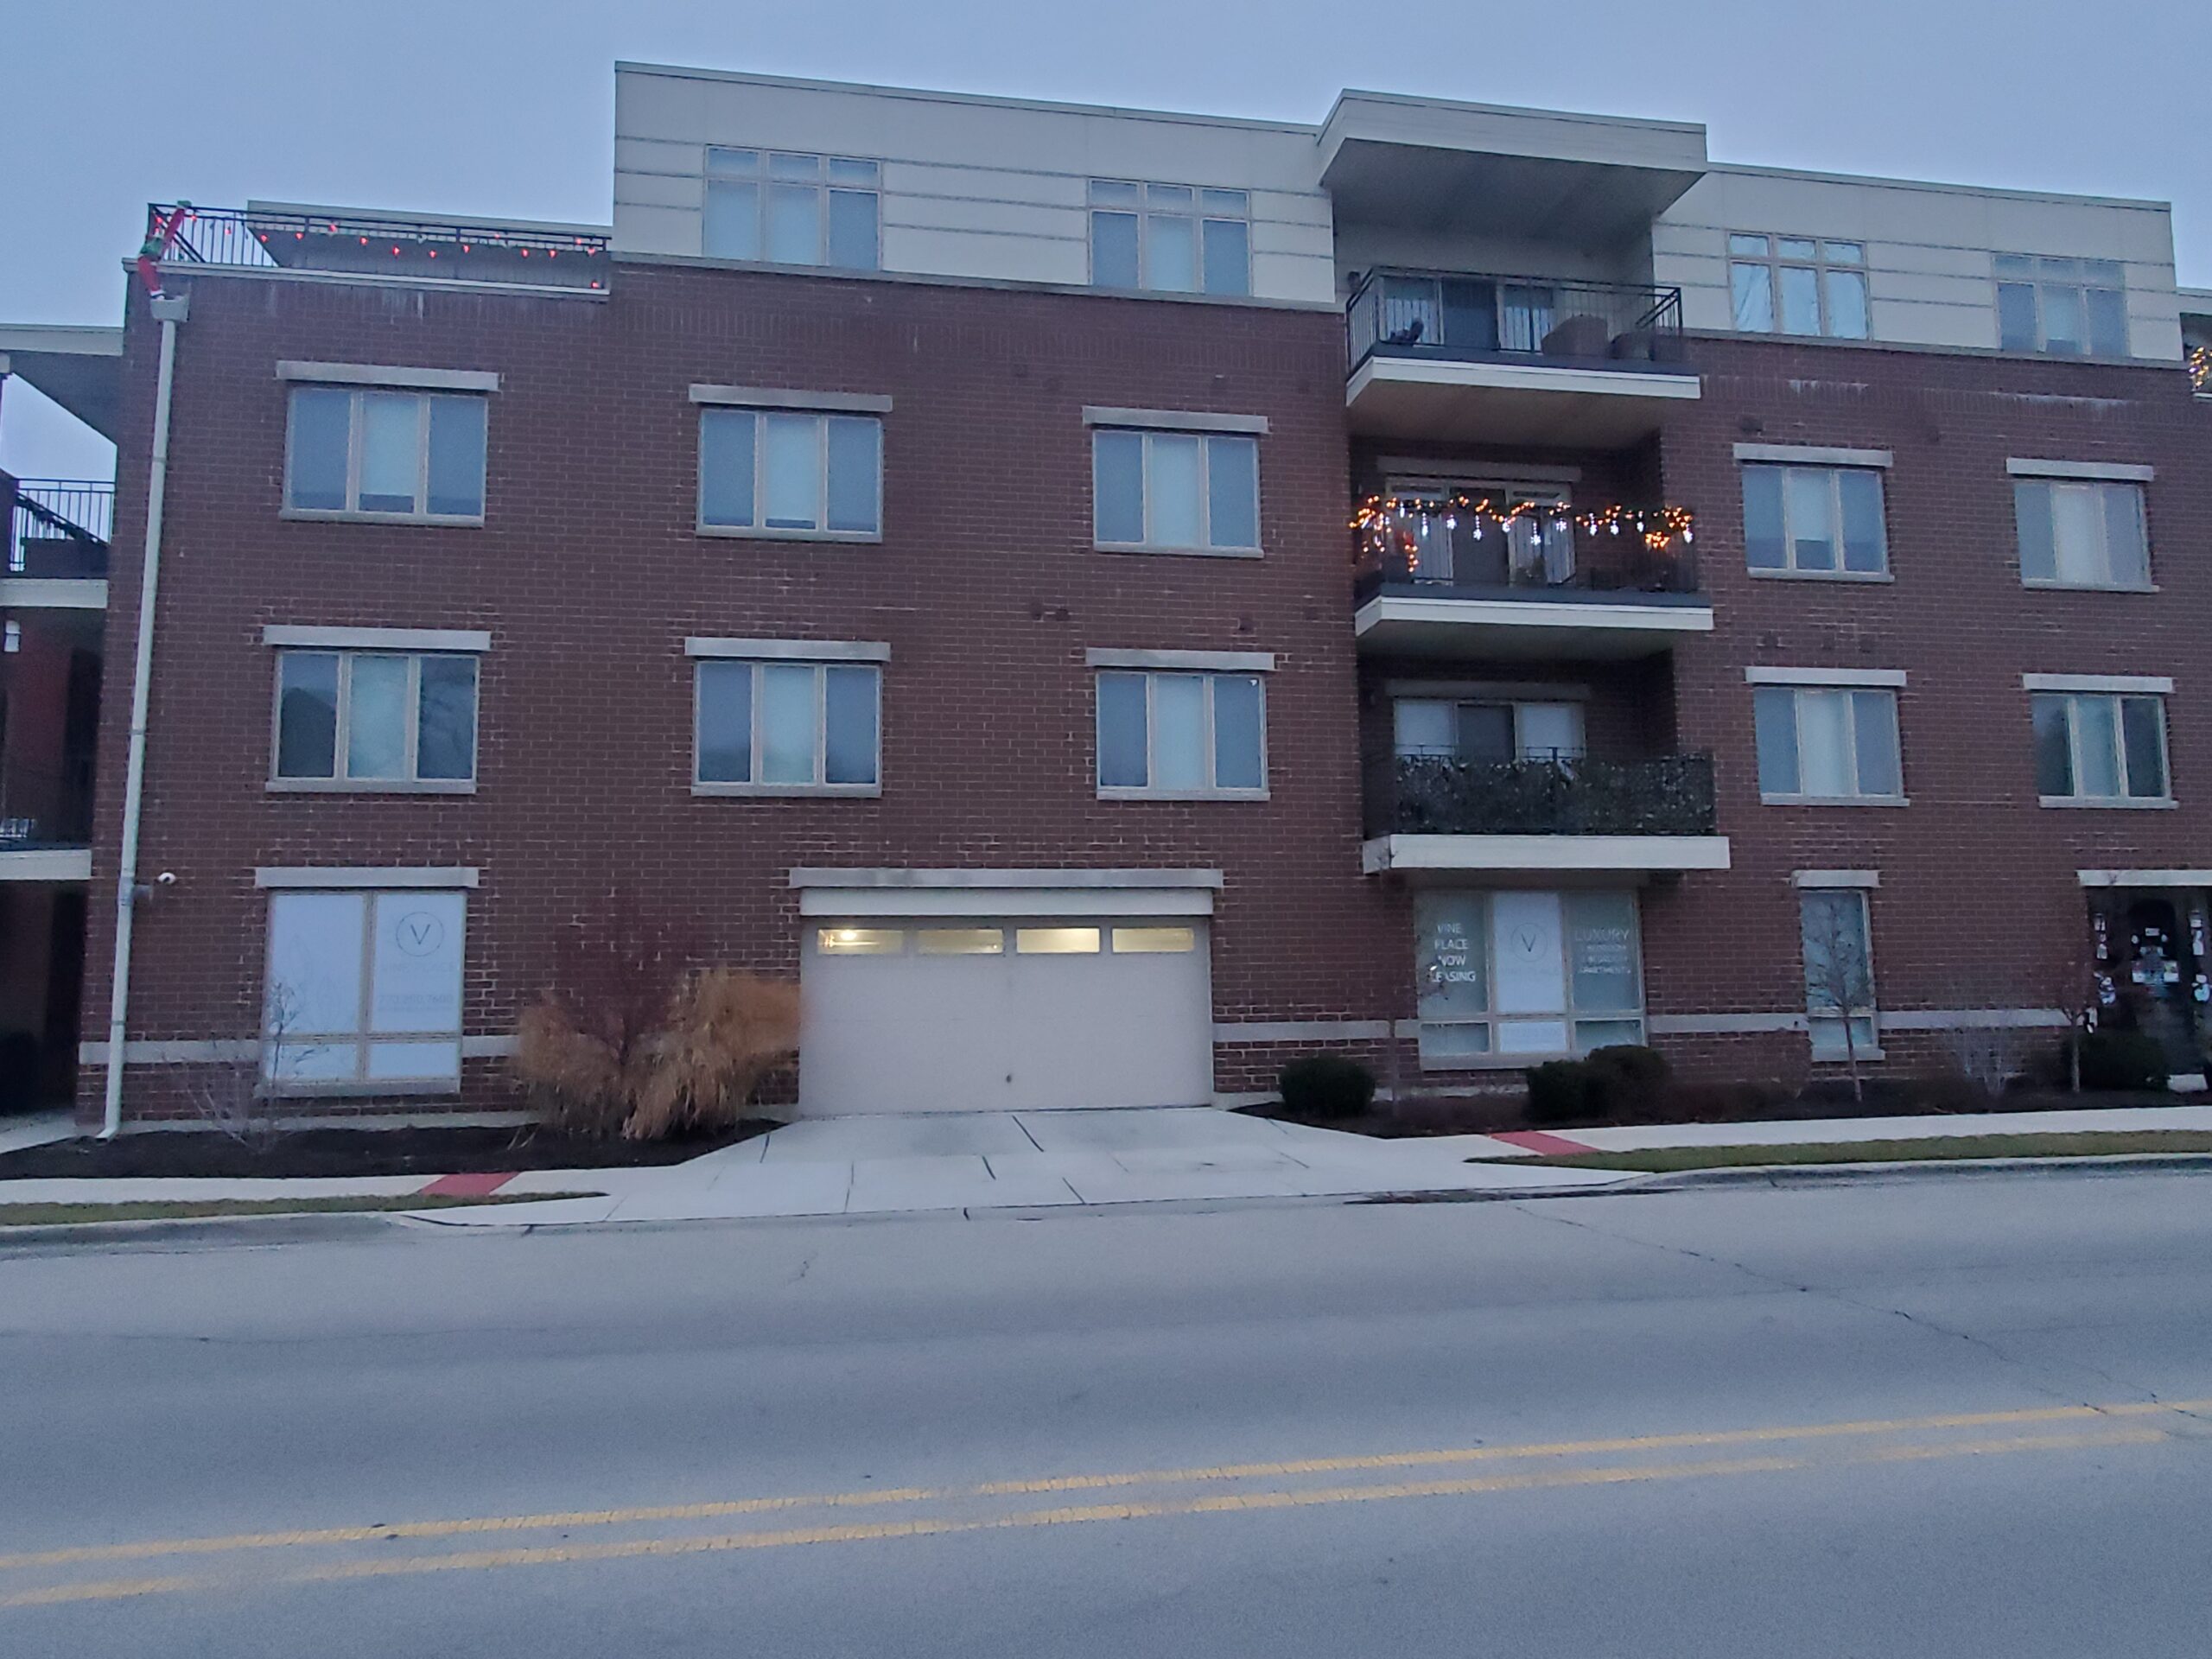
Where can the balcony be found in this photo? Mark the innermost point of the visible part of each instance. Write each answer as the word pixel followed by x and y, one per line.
pixel 1458 356
pixel 57 550
pixel 277 236
pixel 1542 816
pixel 1517 581
pixel 46 822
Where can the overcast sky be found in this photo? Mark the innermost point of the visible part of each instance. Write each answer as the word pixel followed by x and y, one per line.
pixel 454 105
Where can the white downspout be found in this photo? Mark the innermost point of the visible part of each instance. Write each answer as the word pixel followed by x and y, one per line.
pixel 169 310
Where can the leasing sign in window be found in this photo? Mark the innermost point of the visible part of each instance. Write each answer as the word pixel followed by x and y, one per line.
pixel 364 989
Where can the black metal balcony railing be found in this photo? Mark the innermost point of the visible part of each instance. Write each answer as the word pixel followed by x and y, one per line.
pixel 452 250
pixel 46 809
pixel 1432 549
pixel 1473 318
pixel 56 527
pixel 1432 796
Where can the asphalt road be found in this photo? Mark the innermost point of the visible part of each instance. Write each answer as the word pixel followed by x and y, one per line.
pixel 1933 1417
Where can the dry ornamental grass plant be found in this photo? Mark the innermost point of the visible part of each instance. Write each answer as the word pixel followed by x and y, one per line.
pixel 722 1032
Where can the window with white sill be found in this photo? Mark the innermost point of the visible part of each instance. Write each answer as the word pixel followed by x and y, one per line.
pixel 2093 747
pixel 1827 743
pixel 375 719
pixel 1175 491
pixel 1181 736
pixel 787 728
pixel 783 473
pixel 1839 972
pixel 2082 533
pixel 1814 521
pixel 1525 975
pixel 410 455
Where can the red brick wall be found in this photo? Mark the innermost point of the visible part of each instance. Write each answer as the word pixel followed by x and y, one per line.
pixel 587 576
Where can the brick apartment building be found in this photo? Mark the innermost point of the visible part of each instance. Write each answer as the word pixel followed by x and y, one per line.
pixel 1113 601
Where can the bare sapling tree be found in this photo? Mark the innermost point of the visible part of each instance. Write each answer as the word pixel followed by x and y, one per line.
pixel 2077 991
pixel 1988 1052
pixel 1838 978
pixel 240 1096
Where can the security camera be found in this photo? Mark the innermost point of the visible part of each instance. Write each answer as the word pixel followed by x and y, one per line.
pixel 167 879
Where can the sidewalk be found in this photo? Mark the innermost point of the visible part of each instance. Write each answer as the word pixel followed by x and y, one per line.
pixel 1027 1160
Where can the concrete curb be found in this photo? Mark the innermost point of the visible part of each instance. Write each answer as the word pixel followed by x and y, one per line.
pixel 281 1227
pixel 1918 1168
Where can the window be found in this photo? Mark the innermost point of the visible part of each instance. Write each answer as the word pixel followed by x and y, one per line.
pixel 1181 735
pixel 793 210
pixel 1514 974
pixel 1535 550
pixel 2061 307
pixel 388 454
pixel 1839 972
pixel 1155 941
pixel 1056 941
pixel 1826 744
pixel 1443 729
pixel 1796 285
pixel 1176 492
pixel 767 471
pixel 2091 746
pixel 1809 521
pixel 1170 238
pixel 859 940
pixel 374 720
pixel 364 989
pixel 2082 533
pixel 786 727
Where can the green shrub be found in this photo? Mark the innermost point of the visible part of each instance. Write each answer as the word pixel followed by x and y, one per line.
pixel 1643 1072
pixel 1326 1086
pixel 1567 1091
pixel 2119 1059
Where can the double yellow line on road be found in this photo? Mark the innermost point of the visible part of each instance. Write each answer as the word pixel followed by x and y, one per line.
pixel 2130 1423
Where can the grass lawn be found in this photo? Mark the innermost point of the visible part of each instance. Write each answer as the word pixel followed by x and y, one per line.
pixel 48 1215
pixel 1660 1160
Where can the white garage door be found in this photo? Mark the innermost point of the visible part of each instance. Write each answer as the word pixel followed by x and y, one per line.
pixel 955 1014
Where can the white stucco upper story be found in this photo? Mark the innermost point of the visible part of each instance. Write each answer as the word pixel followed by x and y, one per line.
pixel 718 165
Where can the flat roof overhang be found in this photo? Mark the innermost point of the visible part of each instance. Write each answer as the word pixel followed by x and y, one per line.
pixel 1488 401
pixel 1563 855
pixel 1437 164
pixel 53 593
pixel 61 866
pixel 80 369
pixel 1588 629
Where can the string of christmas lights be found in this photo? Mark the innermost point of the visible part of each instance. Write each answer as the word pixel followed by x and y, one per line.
pixel 1381 520
pixel 2200 368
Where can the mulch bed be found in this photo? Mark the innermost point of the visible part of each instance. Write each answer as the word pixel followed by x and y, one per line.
pixel 1691 1104
pixel 338 1153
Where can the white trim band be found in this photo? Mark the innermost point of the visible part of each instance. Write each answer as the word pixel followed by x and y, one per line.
pixel 1835 878
pixel 1971 1020
pixel 1175 420
pixel 377 638
pixel 1232 662
pixel 356 876
pixel 853 904
pixel 2145 878
pixel 379 374
pixel 1893 677
pixel 2153 684
pixel 1721 1024
pixel 2116 472
pixel 801 651
pixel 856 403
pixel 1811 454
pixel 819 876
pixel 1300 1031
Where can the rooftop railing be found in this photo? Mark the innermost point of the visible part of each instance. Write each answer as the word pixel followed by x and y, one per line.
pixel 442 250
pixel 1422 795
pixel 56 526
pixel 1469 317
